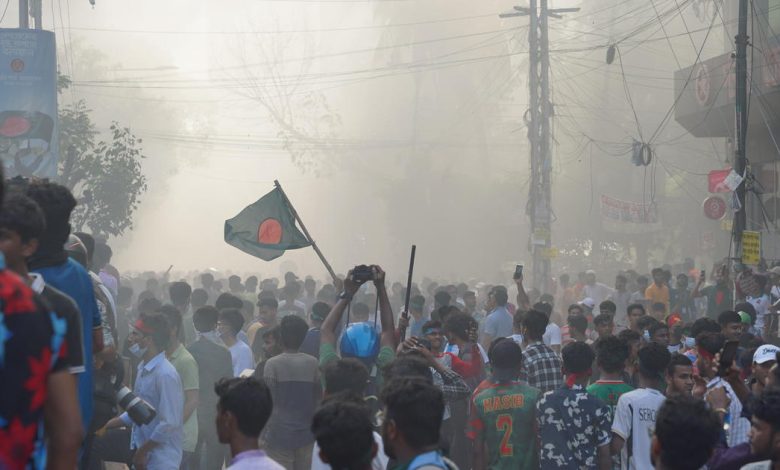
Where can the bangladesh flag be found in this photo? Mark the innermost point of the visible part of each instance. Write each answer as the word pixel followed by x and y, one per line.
pixel 266 228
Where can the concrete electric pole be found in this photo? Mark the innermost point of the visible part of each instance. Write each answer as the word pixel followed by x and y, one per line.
pixel 540 111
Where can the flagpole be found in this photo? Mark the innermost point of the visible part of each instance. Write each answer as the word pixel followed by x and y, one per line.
pixel 306 232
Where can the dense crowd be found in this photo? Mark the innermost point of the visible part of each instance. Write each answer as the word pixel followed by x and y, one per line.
pixel 207 371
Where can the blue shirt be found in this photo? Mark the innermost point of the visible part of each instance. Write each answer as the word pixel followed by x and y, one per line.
pixel 499 323
pixel 158 383
pixel 73 280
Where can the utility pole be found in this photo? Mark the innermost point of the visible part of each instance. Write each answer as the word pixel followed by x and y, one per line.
pixel 24 14
pixel 540 111
pixel 740 159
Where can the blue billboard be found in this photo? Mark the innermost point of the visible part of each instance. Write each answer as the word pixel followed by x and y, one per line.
pixel 29 132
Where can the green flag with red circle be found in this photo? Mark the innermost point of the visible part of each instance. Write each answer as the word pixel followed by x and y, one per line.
pixel 266 228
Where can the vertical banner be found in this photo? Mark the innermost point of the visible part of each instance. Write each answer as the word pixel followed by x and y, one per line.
pixel 29 132
pixel 751 247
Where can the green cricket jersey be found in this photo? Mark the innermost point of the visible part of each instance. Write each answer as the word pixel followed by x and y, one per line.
pixel 609 391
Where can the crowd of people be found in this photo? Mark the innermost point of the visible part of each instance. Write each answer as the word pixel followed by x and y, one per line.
pixel 199 373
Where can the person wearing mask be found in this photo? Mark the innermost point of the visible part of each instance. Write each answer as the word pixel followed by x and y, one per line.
pixel 636 410
pixel 243 409
pixel 294 381
pixel 311 343
pixel 685 434
pixel 541 366
pixel 66 275
pixel 585 444
pixel 157 445
pixel 214 363
pixel 679 376
pixel 229 325
pixel 503 411
pixel 343 431
pixel 413 411
pixel 37 386
pixel 187 368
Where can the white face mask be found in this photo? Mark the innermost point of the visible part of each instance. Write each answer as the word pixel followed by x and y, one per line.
pixel 212 336
pixel 689 342
pixel 137 351
pixel 646 335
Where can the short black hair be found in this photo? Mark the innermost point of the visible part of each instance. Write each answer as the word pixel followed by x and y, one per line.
pixel 179 292
pixel 160 329
pixel 607 306
pixel 458 324
pixel 628 336
pixel 269 302
pixel 544 307
pixel 442 298
pixel 535 322
pixel 173 315
pixel 766 407
pixel 430 324
pixel 319 311
pixel 710 342
pixel 611 354
pixel 678 360
pixel 577 357
pixel 685 416
pixel 344 433
pixel 417 408
pixel 226 300
pixel 88 241
pixel 293 329
pixel 603 319
pixel 249 400
pixel 703 325
pixel 728 316
pixel 199 297
pixel 500 296
pixel 22 215
pixel 346 375
pixel 233 318
pixel 577 322
pixel 653 360
pixel 408 364
pixel 646 322
pixel 57 203
pixel 636 307
pixel 654 327
pixel 517 319
pixel 205 318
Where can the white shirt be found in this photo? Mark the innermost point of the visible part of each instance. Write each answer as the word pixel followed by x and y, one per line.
pixel 379 462
pixel 761 304
pixel 598 292
pixel 454 349
pixel 739 429
pixel 242 358
pixel 254 460
pixel 552 335
pixel 635 418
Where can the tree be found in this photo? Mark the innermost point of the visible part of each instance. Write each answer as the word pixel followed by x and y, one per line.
pixel 106 176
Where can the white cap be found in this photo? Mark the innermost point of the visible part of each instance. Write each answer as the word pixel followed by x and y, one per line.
pixel 588 302
pixel 765 353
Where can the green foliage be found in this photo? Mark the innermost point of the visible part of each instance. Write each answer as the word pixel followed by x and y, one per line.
pixel 104 175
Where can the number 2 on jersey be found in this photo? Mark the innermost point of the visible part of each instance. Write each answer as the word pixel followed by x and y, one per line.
pixel 504 423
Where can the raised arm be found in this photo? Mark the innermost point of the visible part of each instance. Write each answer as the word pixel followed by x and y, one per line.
pixel 332 321
pixel 523 302
pixel 385 309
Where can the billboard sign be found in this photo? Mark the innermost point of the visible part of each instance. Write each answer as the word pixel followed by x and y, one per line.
pixel 29 131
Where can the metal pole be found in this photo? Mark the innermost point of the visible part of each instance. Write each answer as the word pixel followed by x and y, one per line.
pixel 545 160
pixel 740 161
pixel 24 14
pixel 533 137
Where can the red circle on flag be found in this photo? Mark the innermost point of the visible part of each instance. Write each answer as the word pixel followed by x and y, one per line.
pixel 14 126
pixel 714 208
pixel 269 232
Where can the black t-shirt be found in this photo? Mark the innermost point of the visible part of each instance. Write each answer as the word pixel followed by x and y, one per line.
pixel 64 307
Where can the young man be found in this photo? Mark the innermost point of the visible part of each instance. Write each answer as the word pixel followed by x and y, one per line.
pixel 294 381
pixel 158 445
pixel 229 324
pixel 585 418
pixel 686 432
pixel 679 376
pixel 541 366
pixel 180 294
pixel 635 313
pixel 290 305
pixel 720 295
pixel 765 431
pixel 34 357
pixel 681 300
pixel 594 290
pixel 635 413
pixel 578 325
pixel 604 325
pixel 611 357
pixel 413 411
pixel 498 323
pixel 187 368
pixel 311 343
pixel 503 414
pixel 764 359
pixel 242 411
pixel 658 291
pixel 66 275
pixel 621 297
pixel 730 325
pixel 417 315
pixel 633 340
pixel 214 364
pixel 343 431
pixel 659 333
pixel 267 317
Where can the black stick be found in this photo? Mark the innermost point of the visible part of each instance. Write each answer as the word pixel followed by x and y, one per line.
pixel 405 313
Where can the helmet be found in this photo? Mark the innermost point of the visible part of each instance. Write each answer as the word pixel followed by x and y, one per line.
pixel 76 249
pixel 361 341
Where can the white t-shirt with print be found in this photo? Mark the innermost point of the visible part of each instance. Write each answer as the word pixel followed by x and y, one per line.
pixel 635 422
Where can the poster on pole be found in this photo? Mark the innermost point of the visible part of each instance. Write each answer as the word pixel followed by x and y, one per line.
pixel 29 131
pixel 751 247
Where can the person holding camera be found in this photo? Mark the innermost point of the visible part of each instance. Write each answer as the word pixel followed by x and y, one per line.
pixel 156 443
pixel 360 340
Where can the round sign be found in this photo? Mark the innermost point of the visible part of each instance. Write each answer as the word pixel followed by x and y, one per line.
pixel 17 65
pixel 714 208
